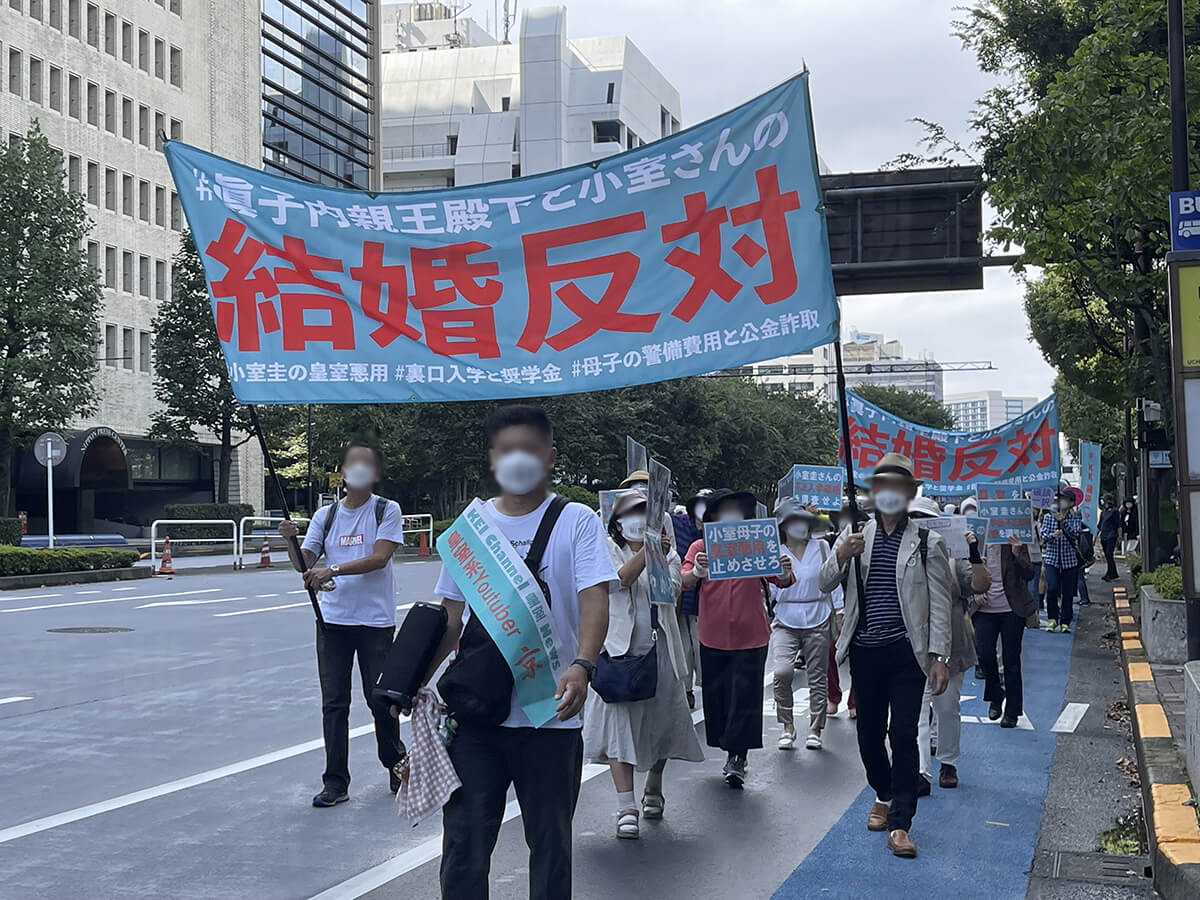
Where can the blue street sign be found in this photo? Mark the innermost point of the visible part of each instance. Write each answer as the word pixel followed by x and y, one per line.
pixel 1185 220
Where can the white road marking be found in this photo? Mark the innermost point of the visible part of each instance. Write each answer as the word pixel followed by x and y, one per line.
pixel 125 588
pixel 87 592
pixel 301 591
pixel 266 595
pixel 1023 722
pixel 108 600
pixel 189 602
pixel 246 612
pixel 405 606
pixel 1068 720
pixel 4 700
pixel 28 597
pixel 431 849
pixel 94 809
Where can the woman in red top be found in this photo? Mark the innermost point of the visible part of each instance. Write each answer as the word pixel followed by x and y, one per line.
pixel 734 634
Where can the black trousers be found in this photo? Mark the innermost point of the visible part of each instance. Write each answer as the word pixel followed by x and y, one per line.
pixel 1009 628
pixel 888 687
pixel 336 648
pixel 545 766
pixel 1061 586
pixel 733 697
pixel 1110 546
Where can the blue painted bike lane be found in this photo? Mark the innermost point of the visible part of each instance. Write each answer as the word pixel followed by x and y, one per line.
pixel 978 838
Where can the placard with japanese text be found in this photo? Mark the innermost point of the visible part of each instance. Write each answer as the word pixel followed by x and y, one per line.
pixel 747 549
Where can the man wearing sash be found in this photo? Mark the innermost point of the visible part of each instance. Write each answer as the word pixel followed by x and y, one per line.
pixel 542 760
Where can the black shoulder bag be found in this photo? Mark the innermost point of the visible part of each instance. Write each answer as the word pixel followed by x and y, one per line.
pixel 477 686
pixel 629 678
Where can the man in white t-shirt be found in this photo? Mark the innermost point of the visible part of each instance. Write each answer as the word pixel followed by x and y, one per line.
pixel 357 536
pixel 544 764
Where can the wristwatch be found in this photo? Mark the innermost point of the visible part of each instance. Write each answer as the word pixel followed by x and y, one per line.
pixel 588 667
pixel 944 660
pixel 335 569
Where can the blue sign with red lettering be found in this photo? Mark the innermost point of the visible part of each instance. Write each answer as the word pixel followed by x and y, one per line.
pixel 702 251
pixel 747 549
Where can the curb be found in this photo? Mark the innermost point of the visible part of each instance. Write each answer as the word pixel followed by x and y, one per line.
pixel 57 579
pixel 1171 827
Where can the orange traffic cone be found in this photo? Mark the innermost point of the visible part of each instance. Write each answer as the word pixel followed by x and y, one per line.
pixel 264 561
pixel 165 567
pixel 423 549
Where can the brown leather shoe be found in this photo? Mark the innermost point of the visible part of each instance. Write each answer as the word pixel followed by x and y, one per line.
pixel 901 844
pixel 948 777
pixel 877 817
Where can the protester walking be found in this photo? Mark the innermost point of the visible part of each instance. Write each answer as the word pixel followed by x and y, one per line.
pixel 639 480
pixel 1003 603
pixel 734 635
pixel 639 734
pixel 1129 526
pixel 689 528
pixel 897 634
pixel 495 745
pixel 947 715
pixel 1110 526
pixel 1060 559
pixel 1086 546
pixel 804 620
pixel 355 538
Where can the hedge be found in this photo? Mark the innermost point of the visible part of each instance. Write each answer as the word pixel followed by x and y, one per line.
pixel 577 493
pixel 1168 581
pixel 234 511
pixel 31 561
pixel 10 532
pixel 1135 564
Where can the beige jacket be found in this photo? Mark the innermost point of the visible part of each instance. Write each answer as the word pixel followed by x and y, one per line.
pixel 926 592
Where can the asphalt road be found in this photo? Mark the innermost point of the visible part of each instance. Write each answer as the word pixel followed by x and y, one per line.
pixel 177 759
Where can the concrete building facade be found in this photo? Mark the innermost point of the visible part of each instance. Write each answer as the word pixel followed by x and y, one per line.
pixel 105 80
pixel 981 410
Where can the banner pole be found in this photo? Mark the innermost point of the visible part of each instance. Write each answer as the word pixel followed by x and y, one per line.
pixel 847 456
pixel 295 541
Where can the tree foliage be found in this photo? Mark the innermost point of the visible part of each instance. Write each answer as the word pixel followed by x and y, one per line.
pixel 711 432
pixel 191 382
pixel 50 298
pixel 1082 417
pixel 915 406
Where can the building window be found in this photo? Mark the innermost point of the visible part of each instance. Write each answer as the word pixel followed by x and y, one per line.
pixel 56 14
pixel 35 81
pixel 110 112
pixel 74 174
pixel 770 370
pixel 144 126
pixel 110 189
pixel 127 42
pixel 176 6
pixel 110 267
pixel 451 144
pixel 127 349
pixel 93 183
pixel 179 463
pixel 110 34
pixel 160 280
pixel 607 131
pixel 801 369
pixel 127 195
pixel 35 9
pixel 143 53
pixel 176 130
pixel 16 67
pixel 93 104
pixel 504 103
pixel 56 88
pixel 160 58
pixel 93 253
pixel 160 205
pixel 93 25
pixel 612 86
pixel 176 67
pixel 73 18
pixel 15 4
pixel 73 101
pixel 160 128
pixel 110 346
pixel 143 463
pixel 127 284
pixel 127 118
pixel 631 139
pixel 176 213
pixel 144 201
pixel 144 287
pixel 144 352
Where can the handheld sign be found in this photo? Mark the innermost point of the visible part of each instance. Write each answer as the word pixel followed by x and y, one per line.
pixel 508 602
pixel 1042 496
pixel 1089 482
pixel 1007 517
pixel 786 486
pixel 658 571
pixel 997 490
pixel 747 549
pixel 953 530
pixel 978 526
pixel 821 486
pixel 760 510
pixel 659 493
pixel 635 456
pixel 607 499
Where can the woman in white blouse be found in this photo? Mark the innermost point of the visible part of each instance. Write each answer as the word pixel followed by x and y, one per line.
pixel 803 622
pixel 643 734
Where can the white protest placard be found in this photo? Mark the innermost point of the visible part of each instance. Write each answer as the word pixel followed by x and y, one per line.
pixel 953 530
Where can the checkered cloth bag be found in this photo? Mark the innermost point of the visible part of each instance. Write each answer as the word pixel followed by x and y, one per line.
pixel 429 778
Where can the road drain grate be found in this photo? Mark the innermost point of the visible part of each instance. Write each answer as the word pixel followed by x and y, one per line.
pixel 107 629
pixel 1096 867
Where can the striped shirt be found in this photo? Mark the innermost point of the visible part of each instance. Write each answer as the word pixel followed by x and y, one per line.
pixel 1060 552
pixel 880 620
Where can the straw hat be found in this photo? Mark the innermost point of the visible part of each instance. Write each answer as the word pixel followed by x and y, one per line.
pixel 634 477
pixel 894 466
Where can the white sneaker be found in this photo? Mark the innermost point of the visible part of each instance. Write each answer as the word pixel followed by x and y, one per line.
pixel 627 825
pixel 787 740
pixel 813 742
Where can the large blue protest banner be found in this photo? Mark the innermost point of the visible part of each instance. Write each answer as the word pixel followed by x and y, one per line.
pixel 702 251
pixel 1089 483
pixel 951 463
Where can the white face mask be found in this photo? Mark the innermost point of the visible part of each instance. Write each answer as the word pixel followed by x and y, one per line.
pixel 519 472
pixel 797 531
pixel 730 515
pixel 890 502
pixel 358 475
pixel 700 508
pixel 633 528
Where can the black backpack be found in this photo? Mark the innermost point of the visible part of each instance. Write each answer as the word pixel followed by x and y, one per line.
pixel 477 686
pixel 1086 546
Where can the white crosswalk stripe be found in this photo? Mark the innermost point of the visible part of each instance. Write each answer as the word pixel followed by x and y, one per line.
pixel 108 600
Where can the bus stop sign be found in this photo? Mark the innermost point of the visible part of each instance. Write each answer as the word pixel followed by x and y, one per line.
pixel 1185 220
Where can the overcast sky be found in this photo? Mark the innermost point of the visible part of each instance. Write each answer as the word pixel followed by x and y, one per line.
pixel 875 64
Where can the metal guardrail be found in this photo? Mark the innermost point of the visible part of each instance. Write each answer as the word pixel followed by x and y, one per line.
pixel 238 553
pixel 417 151
pixel 233 530
pixel 422 522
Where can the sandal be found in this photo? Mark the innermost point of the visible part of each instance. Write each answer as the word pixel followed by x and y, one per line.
pixel 627 825
pixel 652 806
pixel 787 740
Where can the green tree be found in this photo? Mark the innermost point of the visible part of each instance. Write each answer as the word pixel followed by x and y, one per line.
pixel 915 406
pixel 50 297
pixel 191 382
pixel 1082 417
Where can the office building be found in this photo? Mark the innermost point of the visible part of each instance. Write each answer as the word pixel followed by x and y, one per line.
pixel 459 107
pixel 105 80
pixel 319 71
pixel 981 410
